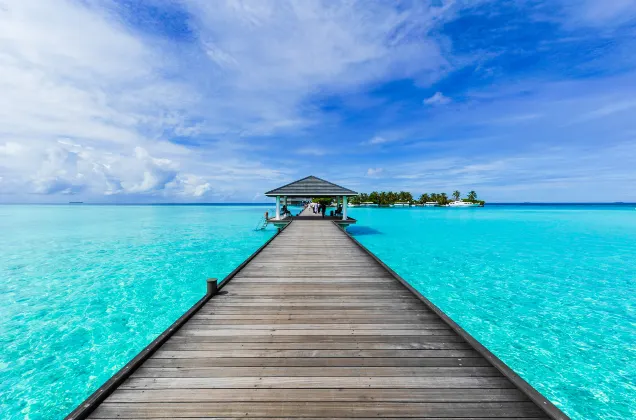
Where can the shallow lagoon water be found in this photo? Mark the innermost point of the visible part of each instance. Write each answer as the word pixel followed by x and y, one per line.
pixel 84 288
pixel 550 290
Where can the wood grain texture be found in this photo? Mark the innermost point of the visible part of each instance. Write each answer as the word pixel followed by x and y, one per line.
pixel 313 327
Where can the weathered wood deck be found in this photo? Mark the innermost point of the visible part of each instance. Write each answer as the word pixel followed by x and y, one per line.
pixel 315 327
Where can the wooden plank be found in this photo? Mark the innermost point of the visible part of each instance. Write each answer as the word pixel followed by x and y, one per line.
pixel 395 382
pixel 205 324
pixel 211 310
pixel 287 371
pixel 197 354
pixel 240 318
pixel 227 332
pixel 305 395
pixel 325 306
pixel 197 345
pixel 332 418
pixel 322 408
pixel 316 339
pixel 334 279
pixel 316 362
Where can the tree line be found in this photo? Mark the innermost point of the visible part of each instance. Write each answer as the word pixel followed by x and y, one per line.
pixel 383 198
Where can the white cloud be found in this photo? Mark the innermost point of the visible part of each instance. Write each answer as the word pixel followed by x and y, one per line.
pixel 374 172
pixel 607 109
pixel 599 13
pixel 10 149
pixel 73 71
pixel 267 55
pixel 379 140
pixel 87 105
pixel 388 137
pixel 437 99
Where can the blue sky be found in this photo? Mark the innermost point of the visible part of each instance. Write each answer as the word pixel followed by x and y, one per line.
pixel 195 100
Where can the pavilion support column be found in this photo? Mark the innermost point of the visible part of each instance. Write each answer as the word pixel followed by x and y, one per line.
pixel 285 201
pixel 278 207
pixel 344 207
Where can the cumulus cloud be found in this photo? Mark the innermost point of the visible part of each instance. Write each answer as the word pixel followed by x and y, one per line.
pixel 437 99
pixel 89 107
pixel 74 71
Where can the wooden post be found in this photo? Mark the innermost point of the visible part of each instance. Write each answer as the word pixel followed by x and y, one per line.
pixel 212 287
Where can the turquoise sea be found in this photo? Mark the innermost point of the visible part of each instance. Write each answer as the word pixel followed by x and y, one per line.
pixel 549 289
pixel 84 288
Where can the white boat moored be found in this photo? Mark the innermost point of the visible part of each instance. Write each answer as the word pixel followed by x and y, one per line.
pixel 462 204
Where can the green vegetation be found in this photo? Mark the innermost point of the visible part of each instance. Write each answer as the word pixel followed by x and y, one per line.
pixel 387 198
pixel 383 198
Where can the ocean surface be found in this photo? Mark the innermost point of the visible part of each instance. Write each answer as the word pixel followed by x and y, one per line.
pixel 549 289
pixel 84 288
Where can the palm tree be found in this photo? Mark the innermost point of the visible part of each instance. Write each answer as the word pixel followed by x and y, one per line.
pixel 456 195
pixel 424 198
pixel 472 196
pixel 405 197
pixel 443 199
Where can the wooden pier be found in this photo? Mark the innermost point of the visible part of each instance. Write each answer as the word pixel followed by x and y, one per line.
pixel 315 326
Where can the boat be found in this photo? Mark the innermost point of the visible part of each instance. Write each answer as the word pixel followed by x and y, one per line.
pixel 462 204
pixel 368 204
pixel 431 204
pixel 401 204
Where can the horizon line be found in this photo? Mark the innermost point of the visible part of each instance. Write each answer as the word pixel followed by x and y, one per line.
pixel 229 203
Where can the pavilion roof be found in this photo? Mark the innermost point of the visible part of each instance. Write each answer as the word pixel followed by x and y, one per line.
pixel 311 186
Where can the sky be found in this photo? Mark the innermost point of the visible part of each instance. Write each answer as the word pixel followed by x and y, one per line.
pixel 219 101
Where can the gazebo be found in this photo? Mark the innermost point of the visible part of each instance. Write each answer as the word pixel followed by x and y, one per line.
pixel 309 187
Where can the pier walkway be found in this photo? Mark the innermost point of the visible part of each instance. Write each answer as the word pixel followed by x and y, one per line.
pixel 314 326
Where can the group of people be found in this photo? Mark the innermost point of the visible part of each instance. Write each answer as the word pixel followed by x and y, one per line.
pixel 318 208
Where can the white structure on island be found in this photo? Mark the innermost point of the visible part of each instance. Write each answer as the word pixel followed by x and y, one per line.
pixel 312 187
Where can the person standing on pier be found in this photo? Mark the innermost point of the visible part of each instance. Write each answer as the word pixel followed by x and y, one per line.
pixel 323 208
